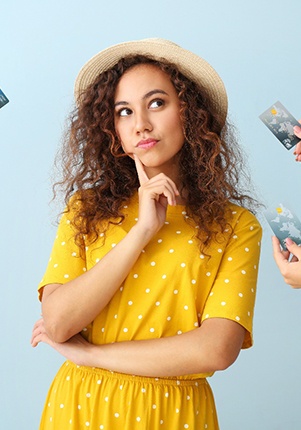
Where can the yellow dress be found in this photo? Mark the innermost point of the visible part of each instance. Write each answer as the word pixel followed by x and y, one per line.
pixel 170 290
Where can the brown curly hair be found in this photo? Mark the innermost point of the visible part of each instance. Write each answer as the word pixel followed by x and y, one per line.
pixel 98 175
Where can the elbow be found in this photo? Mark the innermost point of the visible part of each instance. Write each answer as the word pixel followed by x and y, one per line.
pixel 56 331
pixel 224 360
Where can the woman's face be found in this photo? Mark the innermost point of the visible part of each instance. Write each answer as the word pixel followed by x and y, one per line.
pixel 147 117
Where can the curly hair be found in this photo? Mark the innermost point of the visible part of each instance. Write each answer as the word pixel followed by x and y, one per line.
pixel 96 174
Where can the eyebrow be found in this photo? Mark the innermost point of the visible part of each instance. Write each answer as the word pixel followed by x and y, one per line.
pixel 146 96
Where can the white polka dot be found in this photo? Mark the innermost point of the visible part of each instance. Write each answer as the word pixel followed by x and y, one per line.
pixel 177 411
pixel 125 330
pixel 159 240
pixel 202 256
pixel 97 260
pixel 186 426
pixel 171 251
pixel 88 395
pixel 55 265
pixel 168 318
pixel 230 258
pixel 135 276
pixel 116 414
pixel 190 241
pixel 106 399
pixel 166 394
pixel 138 419
pixel 179 332
pixel 79 407
pixel 66 276
pixel 158 303
pixel 196 324
pixel 227 281
pixel 234 236
pixel 130 302
pixel 152 330
pixel 175 291
pixel 147 290
pixel 193 281
pixel 164 276
pixel 140 317
pixel 154 406
pixel 240 294
pixel 61 405
pixel 206 316
pixel 188 397
pixel 208 274
pixel 178 232
pixel 115 316
pixel 63 243
pixel 87 424
pixel 223 303
pixel 247 249
pixel 219 250
pixel 113 245
pixel 99 381
pixel 153 263
pixel 143 390
pixel 186 308
pixel 74 254
pixel 161 422
pixel 237 318
pixel 243 272
pixel 211 294
pixel 183 265
pixel 251 228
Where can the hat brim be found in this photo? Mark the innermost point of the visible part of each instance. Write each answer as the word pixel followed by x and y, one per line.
pixel 188 63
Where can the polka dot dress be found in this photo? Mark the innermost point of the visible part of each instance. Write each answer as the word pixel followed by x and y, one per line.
pixel 170 290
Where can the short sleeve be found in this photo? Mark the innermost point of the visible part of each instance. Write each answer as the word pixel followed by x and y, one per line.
pixel 233 293
pixel 66 262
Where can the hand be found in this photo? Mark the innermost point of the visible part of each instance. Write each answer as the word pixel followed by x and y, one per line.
pixel 289 269
pixel 297 151
pixel 76 349
pixel 154 196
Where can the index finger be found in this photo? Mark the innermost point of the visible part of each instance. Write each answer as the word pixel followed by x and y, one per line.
pixel 143 178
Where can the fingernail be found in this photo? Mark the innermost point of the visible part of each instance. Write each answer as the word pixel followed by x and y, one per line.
pixel 297 129
pixel 289 241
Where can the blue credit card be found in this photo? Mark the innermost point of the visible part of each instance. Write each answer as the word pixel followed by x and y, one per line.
pixel 281 123
pixel 284 223
pixel 3 99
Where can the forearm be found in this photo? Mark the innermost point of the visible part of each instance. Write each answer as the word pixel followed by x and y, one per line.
pixel 193 352
pixel 73 305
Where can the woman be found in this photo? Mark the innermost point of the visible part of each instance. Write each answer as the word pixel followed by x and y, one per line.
pixel 147 294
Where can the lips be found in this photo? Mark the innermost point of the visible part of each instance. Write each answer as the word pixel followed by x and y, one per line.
pixel 147 143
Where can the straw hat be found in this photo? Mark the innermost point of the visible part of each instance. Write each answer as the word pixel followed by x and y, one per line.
pixel 188 63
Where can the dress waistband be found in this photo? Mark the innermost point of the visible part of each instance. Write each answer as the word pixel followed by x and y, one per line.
pixel 108 374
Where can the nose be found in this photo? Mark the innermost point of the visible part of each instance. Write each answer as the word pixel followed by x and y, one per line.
pixel 143 122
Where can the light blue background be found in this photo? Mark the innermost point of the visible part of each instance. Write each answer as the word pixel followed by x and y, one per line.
pixel 255 47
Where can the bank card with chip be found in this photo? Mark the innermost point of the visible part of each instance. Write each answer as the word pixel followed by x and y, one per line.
pixel 281 123
pixel 284 223
pixel 3 99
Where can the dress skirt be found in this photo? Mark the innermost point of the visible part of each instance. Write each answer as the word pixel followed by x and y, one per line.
pixel 84 398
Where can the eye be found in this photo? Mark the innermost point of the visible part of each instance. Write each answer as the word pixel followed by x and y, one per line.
pixel 156 103
pixel 124 112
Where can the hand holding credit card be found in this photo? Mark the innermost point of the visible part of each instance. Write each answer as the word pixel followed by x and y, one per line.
pixel 284 223
pixel 281 123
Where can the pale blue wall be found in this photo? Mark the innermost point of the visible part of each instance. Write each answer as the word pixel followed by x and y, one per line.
pixel 255 46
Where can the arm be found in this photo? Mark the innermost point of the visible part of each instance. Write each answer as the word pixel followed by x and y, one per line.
pixel 289 269
pixel 69 307
pixel 213 346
